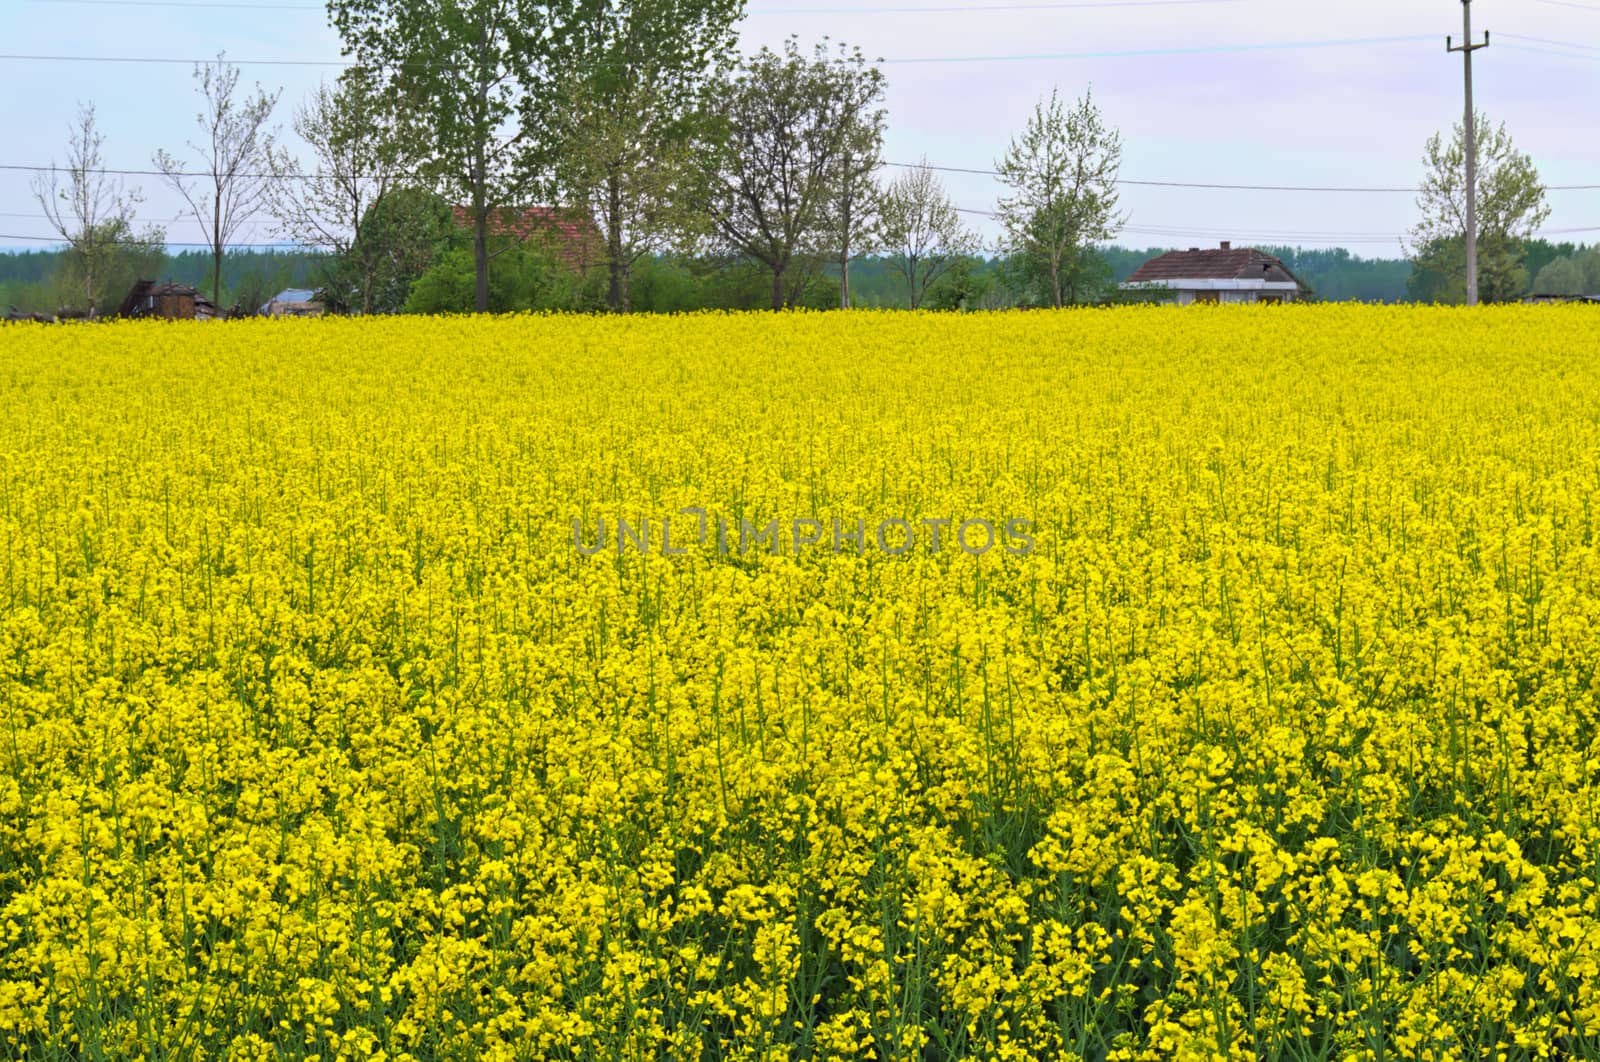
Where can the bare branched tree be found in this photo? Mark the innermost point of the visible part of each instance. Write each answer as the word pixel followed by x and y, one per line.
pixel 921 231
pixel 231 181
pixel 789 120
pixel 852 207
pixel 359 156
pixel 90 209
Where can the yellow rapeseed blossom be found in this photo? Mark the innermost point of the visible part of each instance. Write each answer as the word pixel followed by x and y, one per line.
pixel 1140 684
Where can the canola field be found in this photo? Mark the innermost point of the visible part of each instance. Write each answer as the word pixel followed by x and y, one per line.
pixel 358 699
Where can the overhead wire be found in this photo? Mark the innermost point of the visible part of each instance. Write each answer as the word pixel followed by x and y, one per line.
pixel 915 60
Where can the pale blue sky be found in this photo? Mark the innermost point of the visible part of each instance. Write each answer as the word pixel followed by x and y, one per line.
pixel 1333 114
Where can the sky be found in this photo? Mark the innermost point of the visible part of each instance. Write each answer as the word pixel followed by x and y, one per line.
pixel 1244 92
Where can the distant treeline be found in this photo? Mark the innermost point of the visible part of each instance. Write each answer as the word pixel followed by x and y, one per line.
pixel 32 281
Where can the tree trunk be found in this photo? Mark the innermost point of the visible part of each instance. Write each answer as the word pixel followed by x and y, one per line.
pixel 216 250
pixel 777 288
pixel 480 259
pixel 480 239
pixel 844 259
pixel 617 294
pixel 480 194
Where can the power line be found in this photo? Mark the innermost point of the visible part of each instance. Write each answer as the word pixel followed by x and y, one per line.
pixel 157 60
pixel 1546 40
pixel 1569 3
pixel 1234 187
pixel 904 10
pixel 1041 57
pixel 1206 185
pixel 983 8
pixel 241 6
pixel 1135 53
pixel 1581 57
pixel 165 243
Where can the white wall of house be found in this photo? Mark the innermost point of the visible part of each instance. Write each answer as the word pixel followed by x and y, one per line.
pixel 1230 291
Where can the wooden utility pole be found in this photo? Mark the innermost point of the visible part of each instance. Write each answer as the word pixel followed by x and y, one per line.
pixel 1470 142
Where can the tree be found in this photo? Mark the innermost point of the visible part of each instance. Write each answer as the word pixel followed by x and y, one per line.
pixel 1564 276
pixel 232 182
pixel 1062 173
pixel 91 210
pixel 464 70
pixel 786 124
pixel 852 204
pixel 921 231
pixel 404 233
pixel 1511 207
pixel 627 114
pixel 1578 274
pixel 360 156
pixel 529 276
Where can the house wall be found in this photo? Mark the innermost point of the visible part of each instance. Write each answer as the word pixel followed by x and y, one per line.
pixel 1186 297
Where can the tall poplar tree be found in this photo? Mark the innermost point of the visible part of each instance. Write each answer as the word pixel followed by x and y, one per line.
pixel 465 70
pixel 628 111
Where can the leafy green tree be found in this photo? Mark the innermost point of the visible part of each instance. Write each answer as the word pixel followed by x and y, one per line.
pixel 463 71
pixel 1564 276
pixel 628 112
pixel 529 275
pixel 969 283
pixel 1590 261
pixel 786 122
pixel 1538 253
pixel 1511 207
pixel 404 233
pixel 1062 173
pixel 921 232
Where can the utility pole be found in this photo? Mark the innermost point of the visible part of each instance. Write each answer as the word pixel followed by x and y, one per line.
pixel 1470 142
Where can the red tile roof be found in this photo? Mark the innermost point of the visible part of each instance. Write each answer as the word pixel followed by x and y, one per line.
pixel 1228 263
pixel 576 237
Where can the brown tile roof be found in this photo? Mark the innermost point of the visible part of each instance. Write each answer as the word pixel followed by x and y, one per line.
pixel 575 235
pixel 1226 263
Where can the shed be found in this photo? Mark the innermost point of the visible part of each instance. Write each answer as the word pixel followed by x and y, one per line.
pixel 1225 274
pixel 169 301
pixel 292 302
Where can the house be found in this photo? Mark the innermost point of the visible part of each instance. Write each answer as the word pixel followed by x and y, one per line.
pixel 292 302
pixel 1227 274
pixel 168 300
pixel 572 234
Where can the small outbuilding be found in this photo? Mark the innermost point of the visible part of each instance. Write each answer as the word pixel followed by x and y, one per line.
pixel 1226 274
pixel 168 301
pixel 293 302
